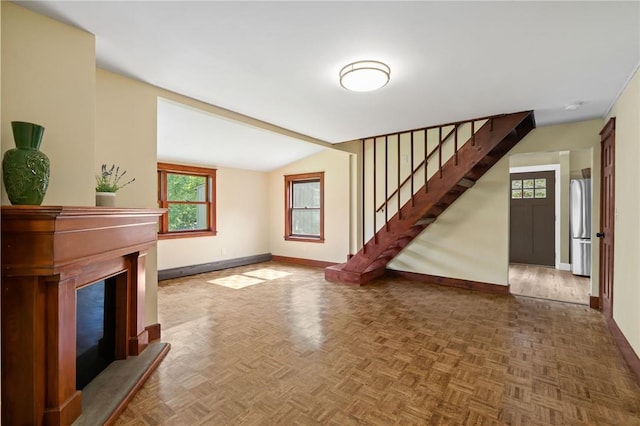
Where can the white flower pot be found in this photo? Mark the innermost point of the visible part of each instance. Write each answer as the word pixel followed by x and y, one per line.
pixel 106 199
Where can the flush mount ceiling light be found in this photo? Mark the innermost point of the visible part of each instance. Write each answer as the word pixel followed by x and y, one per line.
pixel 364 76
pixel 573 106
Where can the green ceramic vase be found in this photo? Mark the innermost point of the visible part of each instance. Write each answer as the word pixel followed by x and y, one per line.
pixel 25 170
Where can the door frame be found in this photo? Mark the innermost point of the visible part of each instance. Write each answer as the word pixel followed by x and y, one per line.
pixel 556 169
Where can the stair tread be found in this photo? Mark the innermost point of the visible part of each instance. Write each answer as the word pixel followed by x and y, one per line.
pixel 466 182
pixel 426 221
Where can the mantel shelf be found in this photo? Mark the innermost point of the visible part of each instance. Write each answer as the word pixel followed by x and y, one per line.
pixel 47 240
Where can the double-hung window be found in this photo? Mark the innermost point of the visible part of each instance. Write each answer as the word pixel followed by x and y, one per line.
pixel 188 194
pixel 304 207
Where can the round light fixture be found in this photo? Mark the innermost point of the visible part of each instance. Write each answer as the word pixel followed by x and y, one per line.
pixel 364 76
pixel 573 106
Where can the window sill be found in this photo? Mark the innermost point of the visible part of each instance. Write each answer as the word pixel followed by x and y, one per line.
pixel 304 239
pixel 186 234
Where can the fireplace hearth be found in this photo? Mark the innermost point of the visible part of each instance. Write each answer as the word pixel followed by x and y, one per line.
pixel 50 257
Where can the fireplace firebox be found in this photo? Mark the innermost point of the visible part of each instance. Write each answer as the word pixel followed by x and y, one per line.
pixel 50 256
pixel 95 329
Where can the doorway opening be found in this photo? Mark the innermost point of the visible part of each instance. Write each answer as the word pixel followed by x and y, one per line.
pixel 539 226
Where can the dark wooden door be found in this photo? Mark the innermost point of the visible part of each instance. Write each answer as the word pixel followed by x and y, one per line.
pixel 607 203
pixel 532 218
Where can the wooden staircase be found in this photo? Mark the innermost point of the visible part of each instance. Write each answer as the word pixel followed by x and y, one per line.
pixel 452 177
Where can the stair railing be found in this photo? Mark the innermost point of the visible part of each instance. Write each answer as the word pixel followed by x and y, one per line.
pixel 411 175
pixel 400 186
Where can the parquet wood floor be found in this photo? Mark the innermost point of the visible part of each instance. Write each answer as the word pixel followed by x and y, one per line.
pixel 548 283
pixel 298 350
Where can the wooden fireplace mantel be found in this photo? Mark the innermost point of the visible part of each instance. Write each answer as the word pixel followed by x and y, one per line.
pixel 47 253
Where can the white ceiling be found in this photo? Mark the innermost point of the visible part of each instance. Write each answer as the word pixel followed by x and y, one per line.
pixel 187 135
pixel 278 61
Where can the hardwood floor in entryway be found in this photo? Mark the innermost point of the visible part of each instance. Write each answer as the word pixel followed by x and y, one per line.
pixel 548 283
pixel 276 344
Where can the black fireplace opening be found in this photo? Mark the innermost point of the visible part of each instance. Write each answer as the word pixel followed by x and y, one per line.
pixel 95 329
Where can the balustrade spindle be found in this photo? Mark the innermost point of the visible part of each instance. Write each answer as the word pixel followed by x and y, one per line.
pixel 386 182
pixel 375 190
pixel 440 150
pixel 455 142
pixel 426 161
pixel 411 171
pixel 473 133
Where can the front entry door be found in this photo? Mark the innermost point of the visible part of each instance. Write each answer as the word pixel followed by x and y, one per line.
pixel 532 218
pixel 607 206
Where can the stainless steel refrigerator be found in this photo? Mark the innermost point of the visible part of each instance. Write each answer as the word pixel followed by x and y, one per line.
pixel 581 226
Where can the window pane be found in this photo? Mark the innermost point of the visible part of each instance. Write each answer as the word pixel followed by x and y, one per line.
pixel 186 188
pixel 516 184
pixel 541 183
pixel 305 222
pixel 306 194
pixel 187 217
pixel 527 193
pixel 516 193
pixel 541 193
pixel 527 183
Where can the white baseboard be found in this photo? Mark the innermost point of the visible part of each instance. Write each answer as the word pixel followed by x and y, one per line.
pixel 565 266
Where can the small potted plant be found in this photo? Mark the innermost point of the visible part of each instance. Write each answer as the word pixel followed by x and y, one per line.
pixel 108 181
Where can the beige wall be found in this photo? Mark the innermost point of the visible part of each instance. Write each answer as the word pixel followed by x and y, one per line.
pixel 534 159
pixel 580 160
pixel 470 240
pixel 626 267
pixel 242 218
pixel 355 199
pixel 48 78
pixel 126 136
pixel 337 188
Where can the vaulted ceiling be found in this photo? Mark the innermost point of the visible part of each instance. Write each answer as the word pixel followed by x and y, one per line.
pixel 279 61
